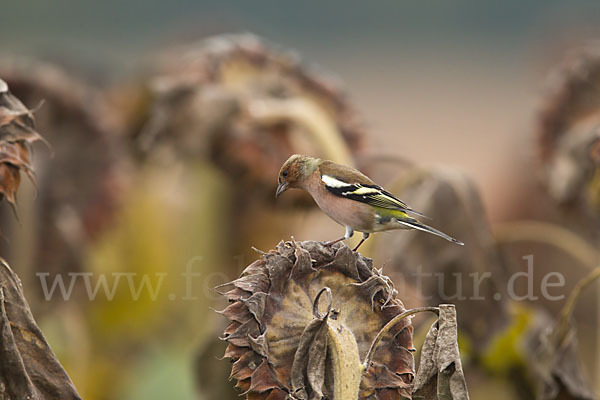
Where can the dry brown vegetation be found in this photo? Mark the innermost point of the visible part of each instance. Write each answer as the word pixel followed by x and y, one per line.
pixel 183 161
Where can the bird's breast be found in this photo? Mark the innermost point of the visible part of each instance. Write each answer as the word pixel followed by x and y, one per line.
pixel 358 216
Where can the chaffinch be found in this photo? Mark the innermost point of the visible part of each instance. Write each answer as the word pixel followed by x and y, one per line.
pixel 350 198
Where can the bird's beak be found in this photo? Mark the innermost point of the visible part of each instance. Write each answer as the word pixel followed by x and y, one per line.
pixel 281 188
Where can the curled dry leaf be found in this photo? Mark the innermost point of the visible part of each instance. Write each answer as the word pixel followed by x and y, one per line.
pixel 17 132
pixel 440 375
pixel 28 367
pixel 240 103
pixel 303 317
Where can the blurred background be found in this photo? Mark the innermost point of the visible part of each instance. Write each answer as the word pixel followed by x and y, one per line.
pixel 476 66
pixel 166 150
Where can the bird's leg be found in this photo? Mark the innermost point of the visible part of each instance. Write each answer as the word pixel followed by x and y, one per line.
pixel 365 237
pixel 348 235
pixel 334 241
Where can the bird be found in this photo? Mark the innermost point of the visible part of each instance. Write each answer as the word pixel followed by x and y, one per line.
pixel 350 198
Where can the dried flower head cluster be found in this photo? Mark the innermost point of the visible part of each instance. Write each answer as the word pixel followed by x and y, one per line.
pixel 568 134
pixel 246 106
pixel 305 315
pixel 82 180
pixel 17 132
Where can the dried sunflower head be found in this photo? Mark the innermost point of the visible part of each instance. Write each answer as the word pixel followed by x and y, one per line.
pixel 17 132
pixel 305 315
pixel 81 176
pixel 444 273
pixel 568 134
pixel 246 105
pixel 82 181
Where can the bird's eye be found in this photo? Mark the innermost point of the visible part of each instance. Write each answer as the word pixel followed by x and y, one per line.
pixel 284 174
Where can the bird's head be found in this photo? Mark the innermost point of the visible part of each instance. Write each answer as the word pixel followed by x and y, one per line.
pixel 295 171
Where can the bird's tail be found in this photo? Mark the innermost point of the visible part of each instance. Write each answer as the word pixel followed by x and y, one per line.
pixel 413 223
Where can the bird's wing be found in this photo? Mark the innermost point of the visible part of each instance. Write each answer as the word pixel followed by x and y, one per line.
pixel 351 184
pixel 370 194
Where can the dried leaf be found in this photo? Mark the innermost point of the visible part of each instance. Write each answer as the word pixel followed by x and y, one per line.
pixel 309 361
pixel 557 370
pixel 554 354
pixel 440 375
pixel 28 367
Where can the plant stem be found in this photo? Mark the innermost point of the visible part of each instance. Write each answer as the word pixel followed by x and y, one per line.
pixel 570 243
pixel 389 326
pixel 567 310
pixel 551 234
pixel 316 313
